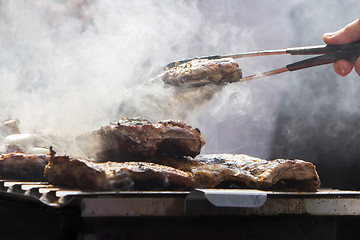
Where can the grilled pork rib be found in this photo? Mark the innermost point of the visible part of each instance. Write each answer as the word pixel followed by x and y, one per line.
pixel 19 166
pixel 138 138
pixel 206 171
pixel 69 172
pixel 243 171
pixel 203 71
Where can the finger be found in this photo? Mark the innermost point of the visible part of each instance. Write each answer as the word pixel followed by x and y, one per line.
pixel 357 66
pixel 349 33
pixel 343 67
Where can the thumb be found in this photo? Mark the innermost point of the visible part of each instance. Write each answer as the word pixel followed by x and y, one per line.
pixel 349 33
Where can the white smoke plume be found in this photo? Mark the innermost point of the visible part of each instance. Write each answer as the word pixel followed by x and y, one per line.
pixel 71 65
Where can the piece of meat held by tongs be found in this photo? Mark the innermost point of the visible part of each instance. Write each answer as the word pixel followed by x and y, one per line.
pixel 220 69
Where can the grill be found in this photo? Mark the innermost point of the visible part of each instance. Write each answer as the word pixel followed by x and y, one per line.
pixel 71 214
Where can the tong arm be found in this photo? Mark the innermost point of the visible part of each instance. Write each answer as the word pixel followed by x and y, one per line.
pixel 324 49
pixel 349 55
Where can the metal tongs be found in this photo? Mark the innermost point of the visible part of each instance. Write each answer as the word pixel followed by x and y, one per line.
pixel 329 54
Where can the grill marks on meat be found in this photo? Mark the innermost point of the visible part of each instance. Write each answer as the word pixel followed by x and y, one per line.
pixel 243 171
pixel 200 72
pixel 19 166
pixel 83 174
pixel 138 138
pixel 205 171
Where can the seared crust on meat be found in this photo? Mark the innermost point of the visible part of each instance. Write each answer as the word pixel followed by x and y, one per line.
pixel 69 172
pixel 205 171
pixel 138 138
pixel 203 71
pixel 243 171
pixel 19 166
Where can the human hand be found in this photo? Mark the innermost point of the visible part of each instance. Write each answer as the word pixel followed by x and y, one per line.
pixel 350 33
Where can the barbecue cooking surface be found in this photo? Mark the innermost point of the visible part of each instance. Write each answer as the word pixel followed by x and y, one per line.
pixel 135 155
pixel 172 203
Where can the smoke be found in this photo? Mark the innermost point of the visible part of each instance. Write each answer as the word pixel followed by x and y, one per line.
pixel 70 72
pixel 73 66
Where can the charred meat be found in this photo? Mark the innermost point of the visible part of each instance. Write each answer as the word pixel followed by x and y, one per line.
pixel 200 72
pixel 243 171
pixel 132 138
pixel 205 171
pixel 19 166
pixel 65 171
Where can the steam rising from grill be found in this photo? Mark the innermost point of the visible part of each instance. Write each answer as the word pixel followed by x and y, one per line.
pixel 76 65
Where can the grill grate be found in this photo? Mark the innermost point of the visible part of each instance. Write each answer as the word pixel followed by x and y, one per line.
pixel 325 202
